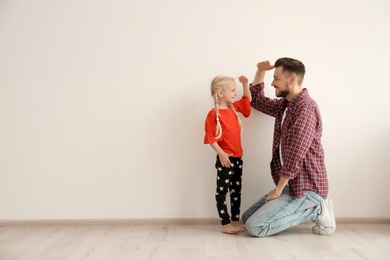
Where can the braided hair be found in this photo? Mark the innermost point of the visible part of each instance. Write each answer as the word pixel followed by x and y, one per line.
pixel 219 83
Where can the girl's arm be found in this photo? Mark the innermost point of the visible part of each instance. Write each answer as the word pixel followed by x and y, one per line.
pixel 223 157
pixel 245 87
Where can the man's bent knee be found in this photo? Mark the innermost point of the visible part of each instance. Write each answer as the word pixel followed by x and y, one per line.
pixel 245 217
pixel 255 230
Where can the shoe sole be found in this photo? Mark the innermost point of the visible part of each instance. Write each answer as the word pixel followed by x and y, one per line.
pixel 316 229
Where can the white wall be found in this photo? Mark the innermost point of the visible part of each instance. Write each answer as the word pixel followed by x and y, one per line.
pixel 102 103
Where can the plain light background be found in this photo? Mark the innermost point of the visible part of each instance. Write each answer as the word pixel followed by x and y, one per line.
pixel 102 103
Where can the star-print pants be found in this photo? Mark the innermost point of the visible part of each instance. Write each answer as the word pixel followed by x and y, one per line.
pixel 229 180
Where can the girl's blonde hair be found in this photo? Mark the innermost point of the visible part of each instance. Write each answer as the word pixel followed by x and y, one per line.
pixel 217 84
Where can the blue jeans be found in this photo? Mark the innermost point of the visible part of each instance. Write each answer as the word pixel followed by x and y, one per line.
pixel 265 219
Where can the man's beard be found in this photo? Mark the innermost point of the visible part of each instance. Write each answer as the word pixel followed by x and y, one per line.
pixel 284 92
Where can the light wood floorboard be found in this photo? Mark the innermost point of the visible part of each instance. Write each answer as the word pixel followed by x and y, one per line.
pixel 181 242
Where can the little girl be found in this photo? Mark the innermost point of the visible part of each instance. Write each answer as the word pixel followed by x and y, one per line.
pixel 223 133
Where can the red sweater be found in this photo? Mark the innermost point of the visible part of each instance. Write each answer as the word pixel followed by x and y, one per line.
pixel 230 141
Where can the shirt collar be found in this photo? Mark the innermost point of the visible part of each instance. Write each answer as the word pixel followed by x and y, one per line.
pixel 299 97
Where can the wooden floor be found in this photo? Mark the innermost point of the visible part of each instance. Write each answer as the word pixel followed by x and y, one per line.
pixel 350 241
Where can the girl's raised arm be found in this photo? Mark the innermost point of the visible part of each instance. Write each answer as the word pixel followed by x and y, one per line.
pixel 245 87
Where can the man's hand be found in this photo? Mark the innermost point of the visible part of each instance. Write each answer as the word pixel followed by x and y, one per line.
pixel 274 194
pixel 265 65
pixel 277 192
pixel 262 67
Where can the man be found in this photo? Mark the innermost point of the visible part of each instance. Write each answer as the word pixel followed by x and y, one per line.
pixel 297 165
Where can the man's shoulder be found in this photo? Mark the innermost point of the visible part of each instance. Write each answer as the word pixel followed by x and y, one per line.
pixel 306 100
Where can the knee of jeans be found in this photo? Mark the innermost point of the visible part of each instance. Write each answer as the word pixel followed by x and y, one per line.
pixel 245 217
pixel 254 230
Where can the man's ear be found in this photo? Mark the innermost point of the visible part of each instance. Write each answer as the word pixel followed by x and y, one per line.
pixel 293 78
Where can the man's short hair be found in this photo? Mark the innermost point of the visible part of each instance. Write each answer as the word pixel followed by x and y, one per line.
pixel 292 66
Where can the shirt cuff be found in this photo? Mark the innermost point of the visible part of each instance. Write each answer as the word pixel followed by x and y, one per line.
pixel 261 84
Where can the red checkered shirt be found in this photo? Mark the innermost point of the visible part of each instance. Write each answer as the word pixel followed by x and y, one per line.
pixel 300 139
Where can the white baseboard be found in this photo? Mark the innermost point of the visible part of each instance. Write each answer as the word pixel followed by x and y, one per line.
pixel 155 221
pixel 109 222
pixel 345 220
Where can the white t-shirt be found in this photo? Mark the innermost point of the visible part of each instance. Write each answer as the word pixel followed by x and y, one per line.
pixel 280 146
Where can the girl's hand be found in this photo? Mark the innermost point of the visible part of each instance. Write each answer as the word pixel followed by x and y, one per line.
pixel 224 159
pixel 243 80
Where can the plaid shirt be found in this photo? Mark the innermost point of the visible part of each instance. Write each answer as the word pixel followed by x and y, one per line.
pixel 300 139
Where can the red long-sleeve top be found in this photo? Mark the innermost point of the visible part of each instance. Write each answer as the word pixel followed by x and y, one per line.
pixel 230 141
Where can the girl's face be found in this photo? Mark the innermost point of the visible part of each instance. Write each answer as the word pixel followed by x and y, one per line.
pixel 228 94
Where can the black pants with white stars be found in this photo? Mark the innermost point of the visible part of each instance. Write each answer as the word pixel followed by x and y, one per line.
pixel 229 180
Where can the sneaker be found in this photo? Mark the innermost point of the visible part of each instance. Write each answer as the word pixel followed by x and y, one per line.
pixel 326 223
pixel 316 229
